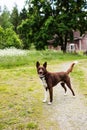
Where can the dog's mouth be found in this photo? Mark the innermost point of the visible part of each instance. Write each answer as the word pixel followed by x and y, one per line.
pixel 40 72
pixel 41 75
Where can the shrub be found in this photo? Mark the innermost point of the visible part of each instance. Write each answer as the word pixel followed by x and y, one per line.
pixel 12 39
pixel 8 38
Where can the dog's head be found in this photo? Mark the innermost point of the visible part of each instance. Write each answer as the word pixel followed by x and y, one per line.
pixel 41 70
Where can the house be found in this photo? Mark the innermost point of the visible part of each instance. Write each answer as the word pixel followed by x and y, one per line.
pixel 79 43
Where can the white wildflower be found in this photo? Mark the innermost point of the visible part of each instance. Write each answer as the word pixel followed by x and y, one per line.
pixel 12 52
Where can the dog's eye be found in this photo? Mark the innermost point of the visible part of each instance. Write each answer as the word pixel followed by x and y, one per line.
pixel 39 69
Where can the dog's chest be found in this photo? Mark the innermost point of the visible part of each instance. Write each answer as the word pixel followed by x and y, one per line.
pixel 44 82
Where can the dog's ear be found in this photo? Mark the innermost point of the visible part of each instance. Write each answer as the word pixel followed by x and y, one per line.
pixel 45 64
pixel 37 64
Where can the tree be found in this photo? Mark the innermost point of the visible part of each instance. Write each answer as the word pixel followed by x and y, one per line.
pixel 15 19
pixel 8 38
pixel 68 15
pixel 48 17
pixel 12 39
pixel 25 33
pixel 32 30
pixel 23 14
pixel 2 34
pixel 5 18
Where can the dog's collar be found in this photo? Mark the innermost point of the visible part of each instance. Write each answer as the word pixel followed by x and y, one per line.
pixel 42 76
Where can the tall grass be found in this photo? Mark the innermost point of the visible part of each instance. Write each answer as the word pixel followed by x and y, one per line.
pixel 14 58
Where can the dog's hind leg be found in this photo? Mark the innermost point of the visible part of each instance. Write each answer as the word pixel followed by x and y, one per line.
pixel 69 86
pixel 63 85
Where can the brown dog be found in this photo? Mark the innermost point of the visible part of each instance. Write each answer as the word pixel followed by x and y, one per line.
pixel 50 79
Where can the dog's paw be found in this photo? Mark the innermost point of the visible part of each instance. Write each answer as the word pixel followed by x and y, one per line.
pixel 49 103
pixel 44 100
pixel 65 94
pixel 74 96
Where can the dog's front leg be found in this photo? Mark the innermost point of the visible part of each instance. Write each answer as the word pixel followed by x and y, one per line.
pixel 51 95
pixel 45 95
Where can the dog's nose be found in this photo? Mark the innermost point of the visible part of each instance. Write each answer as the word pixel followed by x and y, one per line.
pixel 40 72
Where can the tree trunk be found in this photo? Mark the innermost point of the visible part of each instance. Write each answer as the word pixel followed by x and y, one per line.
pixel 65 43
pixel 61 41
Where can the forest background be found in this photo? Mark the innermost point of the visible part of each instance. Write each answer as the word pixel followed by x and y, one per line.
pixel 39 21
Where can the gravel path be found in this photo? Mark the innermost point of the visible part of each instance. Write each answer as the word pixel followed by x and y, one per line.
pixel 68 112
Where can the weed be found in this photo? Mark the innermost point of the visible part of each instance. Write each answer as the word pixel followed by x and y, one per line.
pixel 32 125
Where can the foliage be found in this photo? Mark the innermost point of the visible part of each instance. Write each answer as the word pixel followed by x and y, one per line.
pixel 12 39
pixel 23 14
pixel 68 14
pixel 14 18
pixel 25 33
pixel 57 17
pixel 40 20
pixel 5 19
pixel 1 37
pixel 36 29
pixel 8 38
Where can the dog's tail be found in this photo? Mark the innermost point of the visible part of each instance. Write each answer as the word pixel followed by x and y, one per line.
pixel 71 67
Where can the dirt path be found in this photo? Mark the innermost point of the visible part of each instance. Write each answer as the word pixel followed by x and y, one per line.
pixel 66 112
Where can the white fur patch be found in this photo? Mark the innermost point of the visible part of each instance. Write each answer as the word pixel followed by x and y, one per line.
pixel 44 82
pixel 65 94
pixel 49 103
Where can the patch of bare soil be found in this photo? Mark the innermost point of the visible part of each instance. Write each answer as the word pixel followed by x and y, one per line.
pixel 66 112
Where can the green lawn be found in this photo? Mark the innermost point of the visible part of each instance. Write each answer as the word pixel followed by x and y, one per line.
pixel 20 90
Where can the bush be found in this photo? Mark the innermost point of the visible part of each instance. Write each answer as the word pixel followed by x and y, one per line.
pixel 12 39
pixel 8 38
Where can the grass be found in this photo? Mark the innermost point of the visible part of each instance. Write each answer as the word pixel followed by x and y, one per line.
pixel 80 76
pixel 30 57
pixel 21 94
pixel 18 108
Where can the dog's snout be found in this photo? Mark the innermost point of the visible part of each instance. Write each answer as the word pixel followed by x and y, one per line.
pixel 40 71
